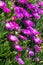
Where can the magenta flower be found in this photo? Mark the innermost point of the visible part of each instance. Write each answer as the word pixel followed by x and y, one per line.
pixel 29 6
pixel 27 49
pixel 40 11
pixel 36 40
pixel 22 1
pixel 16 9
pixel 2 4
pixel 28 23
pixel 36 15
pixel 37 48
pixel 16 57
pixel 32 7
pixel 9 26
pixel 31 53
pixel 14 18
pixel 17 47
pixel 16 26
pixel 18 12
pixel 22 37
pixel 20 61
pixel 12 25
pixel 40 3
pixel 25 13
pixel 36 59
pixel 6 10
pixel 19 15
pixel 33 31
pixel 26 32
pixel 12 38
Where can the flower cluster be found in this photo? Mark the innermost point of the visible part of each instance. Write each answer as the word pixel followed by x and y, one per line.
pixel 27 30
pixel 3 6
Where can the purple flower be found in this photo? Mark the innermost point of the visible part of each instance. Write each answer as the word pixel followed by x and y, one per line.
pixel 36 6
pixel 14 18
pixel 20 61
pixel 17 47
pixel 16 58
pixel 9 26
pixel 12 25
pixel 27 49
pixel 22 1
pixel 29 6
pixel 33 31
pixel 17 11
pixel 32 7
pixel 36 40
pixel 36 15
pixel 31 53
pixel 20 12
pixel 22 37
pixel 19 15
pixel 28 23
pixel 40 11
pixel 25 13
pixel 16 26
pixel 12 38
pixel 2 4
pixel 37 48
pixel 26 32
pixel 36 59
pixel 40 3
pixel 6 10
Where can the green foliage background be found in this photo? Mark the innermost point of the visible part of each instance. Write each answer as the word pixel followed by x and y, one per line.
pixel 7 53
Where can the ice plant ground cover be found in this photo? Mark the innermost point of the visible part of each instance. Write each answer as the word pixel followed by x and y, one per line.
pixel 21 32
